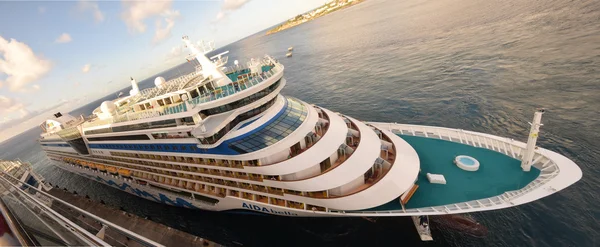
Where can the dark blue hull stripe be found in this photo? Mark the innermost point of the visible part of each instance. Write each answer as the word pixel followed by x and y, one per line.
pixel 56 145
pixel 161 198
pixel 222 149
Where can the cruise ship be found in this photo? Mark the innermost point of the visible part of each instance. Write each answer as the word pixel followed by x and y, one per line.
pixel 225 139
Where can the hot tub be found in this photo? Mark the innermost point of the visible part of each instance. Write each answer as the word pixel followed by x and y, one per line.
pixel 466 163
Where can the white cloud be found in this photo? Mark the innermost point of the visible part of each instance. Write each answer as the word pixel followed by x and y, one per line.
pixel 233 4
pixel 33 88
pixel 10 105
pixel 163 32
pixel 174 55
pixel 41 9
pixel 14 125
pixel 220 15
pixel 20 64
pixel 228 7
pixel 86 68
pixel 4 120
pixel 63 38
pixel 176 51
pixel 135 12
pixel 89 5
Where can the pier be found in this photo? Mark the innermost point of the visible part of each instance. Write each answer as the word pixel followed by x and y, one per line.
pixel 159 233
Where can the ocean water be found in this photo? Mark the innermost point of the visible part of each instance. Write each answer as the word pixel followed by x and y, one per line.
pixel 480 65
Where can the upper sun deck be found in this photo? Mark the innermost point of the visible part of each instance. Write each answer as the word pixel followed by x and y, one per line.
pixel 500 181
pixel 497 174
pixel 198 92
pixel 52 127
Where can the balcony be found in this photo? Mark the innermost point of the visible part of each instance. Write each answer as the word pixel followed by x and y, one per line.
pixel 236 86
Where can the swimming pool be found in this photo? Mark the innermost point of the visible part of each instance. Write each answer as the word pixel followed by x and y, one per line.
pixel 466 161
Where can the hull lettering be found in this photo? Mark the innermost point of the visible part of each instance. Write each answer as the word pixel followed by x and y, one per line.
pixel 266 210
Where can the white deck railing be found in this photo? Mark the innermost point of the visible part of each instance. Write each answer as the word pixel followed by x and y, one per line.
pixel 131 116
pixel 228 90
pixel 219 93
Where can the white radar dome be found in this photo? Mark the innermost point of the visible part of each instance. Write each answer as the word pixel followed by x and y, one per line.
pixel 108 107
pixel 159 82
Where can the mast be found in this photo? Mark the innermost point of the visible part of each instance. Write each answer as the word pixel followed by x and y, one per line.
pixel 209 69
pixel 533 135
pixel 134 87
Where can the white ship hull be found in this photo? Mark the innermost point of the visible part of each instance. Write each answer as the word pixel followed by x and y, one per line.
pixel 537 189
pixel 225 139
pixel 170 198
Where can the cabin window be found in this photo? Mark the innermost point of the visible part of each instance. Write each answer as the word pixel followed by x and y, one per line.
pixel 194 93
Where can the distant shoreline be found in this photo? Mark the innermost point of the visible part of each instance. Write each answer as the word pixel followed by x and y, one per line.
pixel 323 10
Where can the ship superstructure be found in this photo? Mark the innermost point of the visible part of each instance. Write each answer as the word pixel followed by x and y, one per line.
pixel 224 138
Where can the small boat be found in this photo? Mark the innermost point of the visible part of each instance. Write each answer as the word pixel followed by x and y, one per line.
pixel 422 224
pixel 291 48
pixel 289 54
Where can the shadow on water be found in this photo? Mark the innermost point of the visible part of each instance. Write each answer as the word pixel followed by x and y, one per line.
pixel 472 64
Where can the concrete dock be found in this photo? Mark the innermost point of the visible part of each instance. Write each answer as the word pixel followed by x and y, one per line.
pixel 157 232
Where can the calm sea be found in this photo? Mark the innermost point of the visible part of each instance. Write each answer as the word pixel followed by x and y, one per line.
pixel 477 65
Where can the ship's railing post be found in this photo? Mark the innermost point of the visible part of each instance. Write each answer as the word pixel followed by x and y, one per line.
pixel 140 239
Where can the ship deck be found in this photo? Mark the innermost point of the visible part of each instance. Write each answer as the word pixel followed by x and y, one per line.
pixel 236 75
pixel 497 174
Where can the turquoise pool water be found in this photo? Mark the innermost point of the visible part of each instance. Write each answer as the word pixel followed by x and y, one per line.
pixel 467 161
pixel 497 174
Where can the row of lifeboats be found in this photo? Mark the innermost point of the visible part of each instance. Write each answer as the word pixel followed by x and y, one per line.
pixel 198 187
pixel 103 168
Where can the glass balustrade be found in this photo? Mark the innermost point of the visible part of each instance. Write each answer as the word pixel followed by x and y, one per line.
pixel 269 69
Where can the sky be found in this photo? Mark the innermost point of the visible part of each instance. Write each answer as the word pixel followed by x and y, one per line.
pixel 61 55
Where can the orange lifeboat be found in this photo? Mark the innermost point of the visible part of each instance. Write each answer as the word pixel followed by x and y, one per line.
pixel 101 167
pixel 124 172
pixel 112 170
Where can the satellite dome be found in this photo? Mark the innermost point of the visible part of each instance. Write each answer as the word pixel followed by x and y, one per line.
pixel 159 82
pixel 108 107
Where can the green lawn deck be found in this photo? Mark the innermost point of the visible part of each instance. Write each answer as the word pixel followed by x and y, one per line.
pixel 497 174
